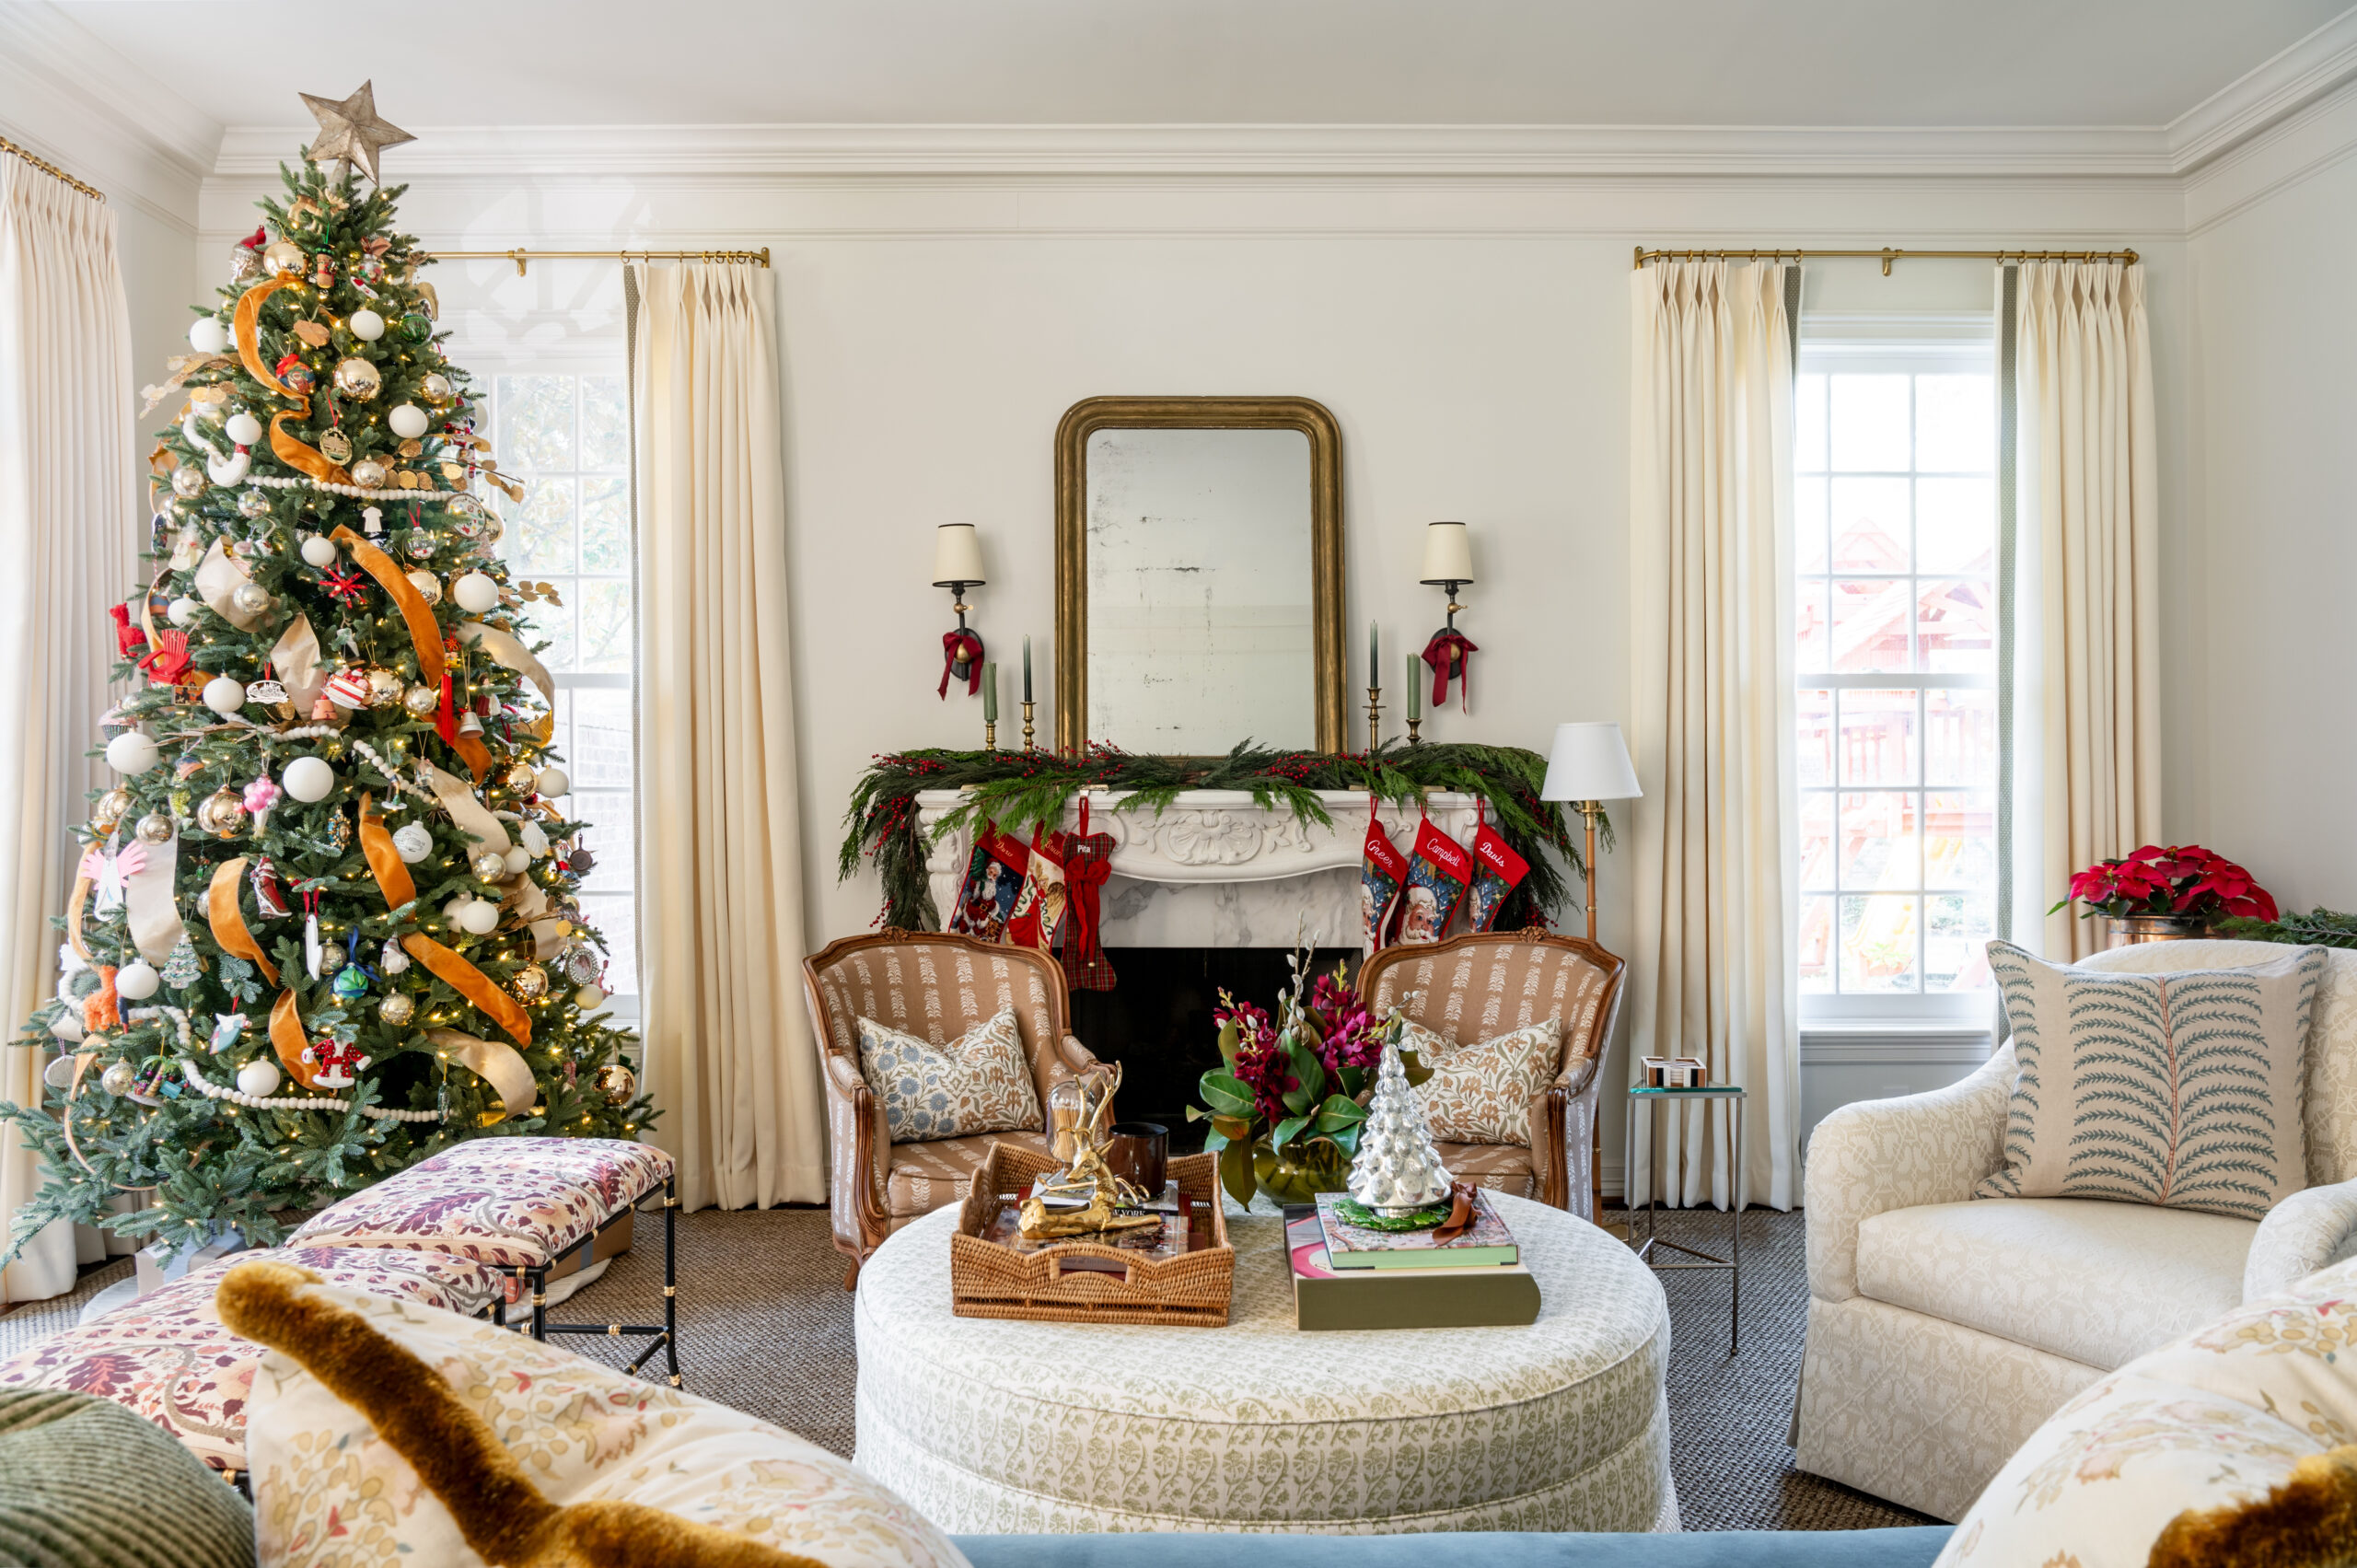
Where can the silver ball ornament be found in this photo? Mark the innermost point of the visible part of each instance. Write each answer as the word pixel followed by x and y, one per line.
pixel 490 866
pixel 119 1077
pixel 154 829
pixel 419 702
pixel 250 599
pixel 420 544
pixel 189 482
pixel 253 503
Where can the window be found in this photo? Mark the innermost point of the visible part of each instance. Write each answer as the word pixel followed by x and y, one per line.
pixel 1896 613
pixel 566 435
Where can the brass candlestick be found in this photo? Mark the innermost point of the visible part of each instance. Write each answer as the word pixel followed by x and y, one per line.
pixel 1414 738
pixel 1374 717
pixel 1028 744
pixel 1591 810
pixel 990 735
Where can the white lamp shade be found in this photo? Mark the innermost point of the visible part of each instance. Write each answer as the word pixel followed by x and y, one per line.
pixel 1589 761
pixel 957 555
pixel 1448 555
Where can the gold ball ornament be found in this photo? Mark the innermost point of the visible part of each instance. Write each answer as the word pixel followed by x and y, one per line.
pixel 530 982
pixel 189 482
pixel 397 1009
pixel 490 866
pixel 617 1083
pixel 111 809
pixel 283 256
pixel 435 389
pixel 222 814
pixel 154 829
pixel 420 701
pixel 384 687
pixel 428 586
pixel 519 777
pixel 368 473
pixel 358 377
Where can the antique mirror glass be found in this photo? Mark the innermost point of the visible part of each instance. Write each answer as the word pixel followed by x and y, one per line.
pixel 1198 574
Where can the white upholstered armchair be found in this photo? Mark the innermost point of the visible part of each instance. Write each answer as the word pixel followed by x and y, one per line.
pixel 1943 1331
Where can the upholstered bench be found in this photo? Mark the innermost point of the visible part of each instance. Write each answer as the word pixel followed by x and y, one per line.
pixel 532 1208
pixel 166 1357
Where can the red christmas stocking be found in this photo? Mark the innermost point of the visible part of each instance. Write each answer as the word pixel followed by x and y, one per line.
pixel 994 880
pixel 1042 907
pixel 1437 874
pixel 1086 866
pixel 1497 871
pixel 1382 870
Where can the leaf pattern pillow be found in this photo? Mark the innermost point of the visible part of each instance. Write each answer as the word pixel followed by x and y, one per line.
pixel 2181 1090
pixel 1481 1094
pixel 979 1083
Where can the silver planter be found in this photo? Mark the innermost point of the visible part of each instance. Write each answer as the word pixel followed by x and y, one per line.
pixel 2126 929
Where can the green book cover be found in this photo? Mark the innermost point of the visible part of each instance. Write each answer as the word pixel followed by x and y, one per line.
pixel 1486 1241
pixel 1490 1296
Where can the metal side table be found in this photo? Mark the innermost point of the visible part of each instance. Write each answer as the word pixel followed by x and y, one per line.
pixel 1654 1099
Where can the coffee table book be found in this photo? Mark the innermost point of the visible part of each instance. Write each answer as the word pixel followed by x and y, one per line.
pixel 1080 1280
pixel 1483 1297
pixel 1351 1247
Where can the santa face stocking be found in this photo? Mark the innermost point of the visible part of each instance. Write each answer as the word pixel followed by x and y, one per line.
pixel 1382 870
pixel 1041 906
pixel 1437 874
pixel 994 880
pixel 1497 871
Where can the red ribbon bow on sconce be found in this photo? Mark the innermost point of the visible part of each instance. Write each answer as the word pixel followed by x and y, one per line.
pixel 962 648
pixel 1450 654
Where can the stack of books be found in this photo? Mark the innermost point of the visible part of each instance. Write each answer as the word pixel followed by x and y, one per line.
pixel 1346 1276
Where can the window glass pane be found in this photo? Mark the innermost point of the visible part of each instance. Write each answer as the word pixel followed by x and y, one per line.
pixel 552 623
pixel 1808 424
pixel 600 755
pixel 535 423
pixel 1956 626
pixel 609 835
pixel 1877 742
pixel 1868 421
pixel 1817 944
pixel 1870 525
pixel 1813 646
pixel 1878 846
pixel 1870 623
pixel 1960 839
pixel 1816 705
pixel 1955 525
pixel 539 536
pixel 1878 933
pixel 605 623
pixel 1960 737
pixel 1956 423
pixel 615 918
pixel 605 525
pixel 1956 950
pixel 1809 525
pixel 1817 839
pixel 604 423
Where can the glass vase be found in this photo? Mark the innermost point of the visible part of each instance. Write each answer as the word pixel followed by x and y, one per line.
pixel 1301 1170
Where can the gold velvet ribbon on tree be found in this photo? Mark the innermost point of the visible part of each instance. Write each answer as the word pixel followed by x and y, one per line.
pixel 452 969
pixel 243 327
pixel 423 635
pixel 230 932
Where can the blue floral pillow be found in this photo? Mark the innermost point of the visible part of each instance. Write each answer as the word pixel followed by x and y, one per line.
pixel 980 1083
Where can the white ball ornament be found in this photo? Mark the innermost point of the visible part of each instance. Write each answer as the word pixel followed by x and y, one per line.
pixel 588 998
pixel 320 550
pixel 454 909
pixel 475 593
pixel 519 861
pixel 181 613
pixel 259 1078
pixel 366 325
pixel 68 1026
pixel 413 842
pixel 208 334
pixel 137 980
pixel 308 779
pixel 224 695
pixel 408 421
pixel 131 752
pixel 481 917
pixel 243 428
pixel 553 781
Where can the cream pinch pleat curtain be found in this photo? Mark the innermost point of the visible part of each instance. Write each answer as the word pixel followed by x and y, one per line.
pixel 70 520
pixel 1715 971
pixel 729 1059
pixel 2079 709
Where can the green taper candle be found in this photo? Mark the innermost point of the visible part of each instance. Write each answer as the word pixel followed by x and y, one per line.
pixel 990 693
pixel 1415 701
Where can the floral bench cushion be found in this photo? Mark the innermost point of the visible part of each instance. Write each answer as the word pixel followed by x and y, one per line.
pixel 166 1357
pixel 511 1202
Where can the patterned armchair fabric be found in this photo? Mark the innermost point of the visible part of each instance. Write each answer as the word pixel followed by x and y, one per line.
pixel 1473 988
pixel 936 986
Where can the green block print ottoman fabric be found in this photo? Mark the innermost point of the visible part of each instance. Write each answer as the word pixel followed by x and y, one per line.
pixel 85 1483
pixel 2181 1090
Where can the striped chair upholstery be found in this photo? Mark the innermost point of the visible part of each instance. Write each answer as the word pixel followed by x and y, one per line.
pixel 1471 988
pixel 936 986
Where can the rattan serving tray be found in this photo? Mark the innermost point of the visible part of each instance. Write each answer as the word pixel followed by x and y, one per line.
pixel 987 1280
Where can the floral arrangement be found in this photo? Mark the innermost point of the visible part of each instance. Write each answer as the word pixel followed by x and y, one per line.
pixel 1284 1107
pixel 2185 880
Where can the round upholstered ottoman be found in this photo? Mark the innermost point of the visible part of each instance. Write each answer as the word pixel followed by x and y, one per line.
pixel 988 1426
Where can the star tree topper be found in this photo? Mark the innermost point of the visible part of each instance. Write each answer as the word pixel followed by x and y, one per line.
pixel 350 131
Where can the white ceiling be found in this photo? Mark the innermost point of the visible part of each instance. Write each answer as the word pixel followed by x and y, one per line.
pixel 1832 63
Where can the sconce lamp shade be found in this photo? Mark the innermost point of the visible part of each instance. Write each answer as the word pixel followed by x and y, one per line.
pixel 1589 761
pixel 1448 555
pixel 956 556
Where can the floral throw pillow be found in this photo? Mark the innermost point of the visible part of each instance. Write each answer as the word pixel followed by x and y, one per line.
pixel 2182 1090
pixel 1481 1094
pixel 979 1083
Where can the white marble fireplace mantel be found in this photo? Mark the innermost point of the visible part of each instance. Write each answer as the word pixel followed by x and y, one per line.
pixel 1213 869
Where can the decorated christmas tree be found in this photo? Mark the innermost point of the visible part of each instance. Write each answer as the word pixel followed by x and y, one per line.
pixel 325 923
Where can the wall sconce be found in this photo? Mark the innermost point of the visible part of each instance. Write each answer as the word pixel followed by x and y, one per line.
pixel 1448 564
pixel 957 566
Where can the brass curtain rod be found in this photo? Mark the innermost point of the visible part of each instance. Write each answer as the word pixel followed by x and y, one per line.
pixel 521 256
pixel 51 169
pixel 1890 253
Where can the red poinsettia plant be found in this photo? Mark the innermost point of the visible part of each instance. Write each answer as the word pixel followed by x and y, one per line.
pixel 2186 879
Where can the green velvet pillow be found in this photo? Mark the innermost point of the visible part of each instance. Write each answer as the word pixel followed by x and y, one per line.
pixel 85 1483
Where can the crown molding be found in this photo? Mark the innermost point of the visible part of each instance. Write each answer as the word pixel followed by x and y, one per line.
pixel 88 109
pixel 2251 103
pixel 1502 151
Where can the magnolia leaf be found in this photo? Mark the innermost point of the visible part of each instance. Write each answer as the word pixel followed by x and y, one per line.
pixel 1229 1039
pixel 1226 1093
pixel 1235 1172
pixel 1213 1141
pixel 1288 1129
pixel 1232 1127
pixel 1338 1113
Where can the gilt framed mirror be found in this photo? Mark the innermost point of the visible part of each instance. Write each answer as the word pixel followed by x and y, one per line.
pixel 1198 574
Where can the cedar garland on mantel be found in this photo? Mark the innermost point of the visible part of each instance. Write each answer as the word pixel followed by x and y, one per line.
pixel 1024 792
